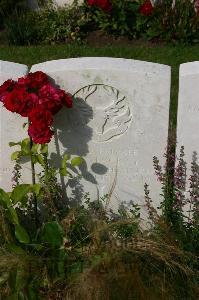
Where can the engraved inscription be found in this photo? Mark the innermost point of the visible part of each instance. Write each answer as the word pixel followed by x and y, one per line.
pixel 104 109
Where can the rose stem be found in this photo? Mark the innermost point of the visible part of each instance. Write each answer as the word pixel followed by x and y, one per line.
pixel 33 182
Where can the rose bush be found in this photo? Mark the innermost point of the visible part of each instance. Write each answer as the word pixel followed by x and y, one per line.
pixel 35 97
pixel 146 8
pixel 105 5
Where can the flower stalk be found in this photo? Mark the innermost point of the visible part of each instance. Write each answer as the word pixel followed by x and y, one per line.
pixel 33 182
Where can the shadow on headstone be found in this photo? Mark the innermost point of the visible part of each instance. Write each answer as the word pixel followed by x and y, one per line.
pixel 72 134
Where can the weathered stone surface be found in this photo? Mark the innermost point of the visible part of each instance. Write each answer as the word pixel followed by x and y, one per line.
pixel 188 113
pixel 118 123
pixel 64 2
pixel 33 4
pixel 10 124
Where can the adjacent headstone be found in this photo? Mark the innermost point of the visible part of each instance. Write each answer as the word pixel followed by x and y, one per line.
pixel 118 123
pixel 33 4
pixel 62 2
pixel 188 112
pixel 66 2
pixel 10 124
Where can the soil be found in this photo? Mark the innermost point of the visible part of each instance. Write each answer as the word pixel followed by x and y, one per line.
pixel 100 39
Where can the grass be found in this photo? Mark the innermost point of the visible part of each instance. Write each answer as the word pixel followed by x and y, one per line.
pixel 169 55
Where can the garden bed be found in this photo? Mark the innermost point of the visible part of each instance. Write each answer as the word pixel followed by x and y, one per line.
pixel 101 39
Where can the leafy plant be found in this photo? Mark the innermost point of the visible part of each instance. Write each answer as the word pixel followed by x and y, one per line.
pixel 21 28
pixel 49 25
pixel 89 251
pixel 171 21
pixel 119 21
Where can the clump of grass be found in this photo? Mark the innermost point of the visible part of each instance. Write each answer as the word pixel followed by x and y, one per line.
pixel 142 268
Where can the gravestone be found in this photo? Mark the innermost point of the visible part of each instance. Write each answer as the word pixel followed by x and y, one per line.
pixel 66 2
pixel 118 123
pixel 33 4
pixel 62 2
pixel 10 125
pixel 188 113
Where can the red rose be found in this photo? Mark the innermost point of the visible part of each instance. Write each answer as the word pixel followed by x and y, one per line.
pixel 146 8
pixel 20 101
pixel 40 135
pixel 5 88
pixel 38 79
pixel 23 82
pixel 50 92
pixel 34 97
pixel 105 5
pixel 51 98
pixel 40 117
pixel 33 80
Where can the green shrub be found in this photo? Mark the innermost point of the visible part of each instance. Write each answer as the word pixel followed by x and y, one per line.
pixel 48 26
pixel 8 7
pixel 51 25
pixel 21 28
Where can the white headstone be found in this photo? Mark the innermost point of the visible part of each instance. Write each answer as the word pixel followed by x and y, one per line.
pixel 62 3
pixel 10 124
pixel 33 4
pixel 118 123
pixel 188 111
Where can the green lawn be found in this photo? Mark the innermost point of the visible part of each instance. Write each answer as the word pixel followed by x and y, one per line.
pixel 169 55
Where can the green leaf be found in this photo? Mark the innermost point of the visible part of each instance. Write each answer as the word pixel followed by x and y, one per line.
pixel 64 160
pixel 40 160
pixel 34 159
pixel 21 234
pixel 35 148
pixel 76 161
pixel 18 279
pixel 11 144
pixel 4 199
pixel 38 247
pixel 19 192
pixel 12 215
pixel 15 155
pixel 52 234
pixel 25 146
pixel 16 249
pixel 44 149
pixel 63 169
pixel 36 188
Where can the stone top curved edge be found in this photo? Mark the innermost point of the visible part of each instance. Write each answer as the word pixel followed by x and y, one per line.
pixel 7 67
pixel 103 63
pixel 189 68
